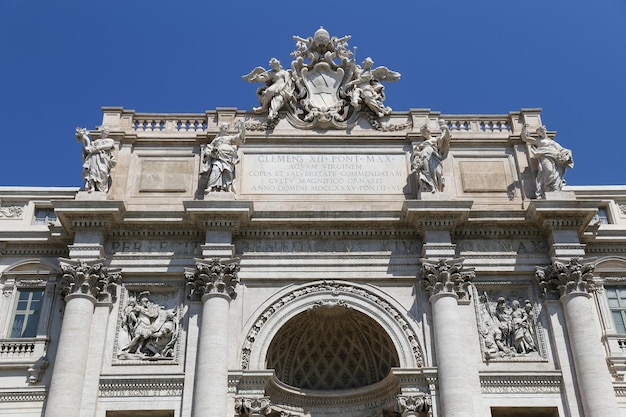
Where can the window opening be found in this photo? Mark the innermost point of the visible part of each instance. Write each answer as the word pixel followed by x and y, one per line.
pixel 27 312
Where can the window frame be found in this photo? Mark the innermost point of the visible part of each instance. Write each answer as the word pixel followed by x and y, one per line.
pixel 28 313
pixel 43 221
pixel 619 309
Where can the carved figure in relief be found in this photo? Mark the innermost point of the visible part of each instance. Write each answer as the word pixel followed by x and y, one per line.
pixel 427 156
pixel 97 159
pixel 220 157
pixel 366 87
pixel 552 160
pixel 151 330
pixel 277 91
pixel 507 331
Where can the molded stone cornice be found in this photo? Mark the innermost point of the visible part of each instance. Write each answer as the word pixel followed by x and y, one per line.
pixel 562 214
pixel 88 277
pixel 503 383
pixel 219 214
pixel 32 249
pixel 447 276
pixel 81 214
pixel 212 277
pixel 436 214
pixel 563 278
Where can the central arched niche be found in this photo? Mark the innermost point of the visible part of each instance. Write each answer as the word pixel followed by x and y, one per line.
pixel 331 347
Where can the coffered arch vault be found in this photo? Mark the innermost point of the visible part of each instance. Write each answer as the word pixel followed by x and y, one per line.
pixel 358 304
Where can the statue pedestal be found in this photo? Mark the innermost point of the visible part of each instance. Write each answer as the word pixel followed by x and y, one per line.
pixel 220 195
pixel 438 196
pixel 560 195
pixel 91 195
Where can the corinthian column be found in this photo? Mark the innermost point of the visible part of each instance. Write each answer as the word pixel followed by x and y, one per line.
pixel 213 282
pixel 83 284
pixel 446 282
pixel 573 283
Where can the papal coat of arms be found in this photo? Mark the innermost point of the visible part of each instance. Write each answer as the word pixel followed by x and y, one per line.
pixel 325 87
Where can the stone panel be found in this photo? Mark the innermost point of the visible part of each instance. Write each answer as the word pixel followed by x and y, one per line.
pixel 317 173
pixel 160 175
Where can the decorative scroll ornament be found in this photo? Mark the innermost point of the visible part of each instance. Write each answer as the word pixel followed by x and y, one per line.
pixel 562 278
pixel 35 371
pixel 212 277
pixel 88 277
pixel 444 276
pixel 325 87
pixel 414 405
pixel 253 407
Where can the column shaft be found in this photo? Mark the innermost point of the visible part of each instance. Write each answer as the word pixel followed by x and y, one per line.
pixel 66 387
pixel 211 385
pixel 594 380
pixel 454 385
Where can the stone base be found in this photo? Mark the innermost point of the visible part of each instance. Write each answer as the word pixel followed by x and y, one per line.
pixel 220 195
pixel 91 195
pixel 438 196
pixel 560 195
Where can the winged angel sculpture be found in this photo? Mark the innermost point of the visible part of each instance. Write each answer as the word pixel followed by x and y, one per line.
pixel 324 88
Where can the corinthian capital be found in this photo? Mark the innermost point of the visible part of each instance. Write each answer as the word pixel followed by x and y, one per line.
pixel 562 278
pixel 253 407
pixel 212 277
pixel 414 405
pixel 445 276
pixel 88 277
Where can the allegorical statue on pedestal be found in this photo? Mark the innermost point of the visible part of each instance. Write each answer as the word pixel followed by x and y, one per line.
pixel 220 157
pixel 98 159
pixel 325 87
pixel 427 156
pixel 552 161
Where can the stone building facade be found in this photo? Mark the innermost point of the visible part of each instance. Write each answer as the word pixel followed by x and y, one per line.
pixel 317 256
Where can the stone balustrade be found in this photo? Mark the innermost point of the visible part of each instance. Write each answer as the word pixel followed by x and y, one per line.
pixel 479 124
pixel 169 123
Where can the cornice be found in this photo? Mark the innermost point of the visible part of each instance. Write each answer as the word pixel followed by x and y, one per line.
pixel 141 387
pixel 219 214
pixel 81 214
pixel 544 383
pixel 562 214
pixel 23 396
pixel 436 214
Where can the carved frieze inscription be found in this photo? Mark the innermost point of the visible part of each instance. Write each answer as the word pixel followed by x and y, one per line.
pixel 153 246
pixel 519 246
pixel 298 173
pixel 400 247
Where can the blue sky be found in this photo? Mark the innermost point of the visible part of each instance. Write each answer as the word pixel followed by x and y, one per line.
pixel 61 61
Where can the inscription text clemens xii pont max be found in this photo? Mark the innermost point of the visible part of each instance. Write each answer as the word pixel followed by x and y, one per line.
pixel 315 173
